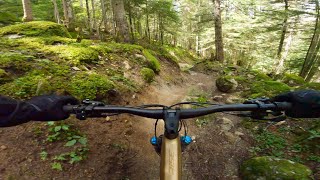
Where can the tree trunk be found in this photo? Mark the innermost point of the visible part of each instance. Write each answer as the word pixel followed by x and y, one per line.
pixel 218 31
pixel 27 11
pixel 280 66
pixel 147 22
pixel 104 15
pixel 121 21
pixel 131 24
pixel 81 3
pixel 88 14
pixel 94 23
pixel 314 69
pixel 65 13
pixel 284 30
pixel 70 13
pixel 311 57
pixel 56 11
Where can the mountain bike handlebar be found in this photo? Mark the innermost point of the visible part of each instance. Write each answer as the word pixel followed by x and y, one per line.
pixel 100 110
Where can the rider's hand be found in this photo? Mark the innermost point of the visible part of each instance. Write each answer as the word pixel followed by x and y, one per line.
pixel 50 107
pixel 305 103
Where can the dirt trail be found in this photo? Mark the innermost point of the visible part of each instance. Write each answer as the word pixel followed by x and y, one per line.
pixel 120 148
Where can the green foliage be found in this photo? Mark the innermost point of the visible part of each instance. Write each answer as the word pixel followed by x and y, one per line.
pixel 75 54
pixel 147 74
pixel 292 79
pixel 153 62
pixel 268 167
pixel 36 28
pixel 268 88
pixel 7 18
pixel 84 85
pixel 56 166
pixel 270 143
pixel 15 60
pixel 43 155
pixel 311 85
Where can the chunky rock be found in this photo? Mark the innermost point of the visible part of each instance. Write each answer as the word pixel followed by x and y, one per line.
pixel 267 167
pixel 226 84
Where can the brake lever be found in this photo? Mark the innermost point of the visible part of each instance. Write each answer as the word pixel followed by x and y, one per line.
pixel 262 113
pixel 86 108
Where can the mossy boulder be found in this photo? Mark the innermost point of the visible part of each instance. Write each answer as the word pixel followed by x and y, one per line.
pixel 267 167
pixel 153 62
pixel 147 74
pixel 292 79
pixel 36 28
pixel 91 86
pixel 267 88
pixel 226 84
pixel 259 76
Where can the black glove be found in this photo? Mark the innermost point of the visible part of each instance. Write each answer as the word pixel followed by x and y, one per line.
pixel 305 103
pixel 50 107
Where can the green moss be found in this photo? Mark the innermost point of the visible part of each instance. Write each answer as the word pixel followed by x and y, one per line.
pixel 226 84
pixel 268 167
pixel 4 77
pixel 312 85
pixel 119 47
pixel 15 61
pixel 36 28
pixel 292 79
pixel 259 76
pixel 7 18
pixel 74 54
pixel 153 62
pixel 90 86
pixel 23 87
pixel 268 88
pixel 147 74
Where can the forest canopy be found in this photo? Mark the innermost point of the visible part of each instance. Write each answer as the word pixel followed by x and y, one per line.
pixel 278 36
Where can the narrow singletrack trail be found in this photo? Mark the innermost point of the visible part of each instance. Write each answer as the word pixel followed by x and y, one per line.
pixel 119 145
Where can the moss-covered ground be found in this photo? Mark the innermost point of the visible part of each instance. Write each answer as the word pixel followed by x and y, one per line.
pixel 40 57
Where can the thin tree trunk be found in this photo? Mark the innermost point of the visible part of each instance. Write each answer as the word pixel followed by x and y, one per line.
pixel 70 13
pixel 147 22
pixel 284 30
pixel 94 21
pixel 88 14
pixel 314 69
pixel 104 15
pixel 27 11
pixel 120 19
pixel 56 11
pixel 313 48
pixel 81 3
pixel 280 66
pixel 131 24
pixel 65 13
pixel 218 31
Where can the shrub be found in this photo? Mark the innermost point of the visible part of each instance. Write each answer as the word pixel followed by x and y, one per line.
pixel 7 18
pixel 147 74
pixel 153 62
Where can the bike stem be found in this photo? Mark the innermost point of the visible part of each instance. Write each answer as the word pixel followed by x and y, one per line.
pixel 171 119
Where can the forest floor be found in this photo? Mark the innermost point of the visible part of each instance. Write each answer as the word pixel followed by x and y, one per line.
pixel 119 146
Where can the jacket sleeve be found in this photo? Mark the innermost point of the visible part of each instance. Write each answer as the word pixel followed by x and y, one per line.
pixel 14 112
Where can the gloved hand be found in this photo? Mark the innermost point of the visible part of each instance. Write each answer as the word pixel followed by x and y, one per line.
pixel 50 107
pixel 305 103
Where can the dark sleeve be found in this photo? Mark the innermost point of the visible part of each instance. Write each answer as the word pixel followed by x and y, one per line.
pixel 14 112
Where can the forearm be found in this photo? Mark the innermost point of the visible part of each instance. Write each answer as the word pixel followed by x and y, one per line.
pixel 13 112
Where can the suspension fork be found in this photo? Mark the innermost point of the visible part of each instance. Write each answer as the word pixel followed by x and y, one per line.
pixel 171 165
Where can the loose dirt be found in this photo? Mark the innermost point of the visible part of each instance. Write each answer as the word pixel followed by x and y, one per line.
pixel 120 148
